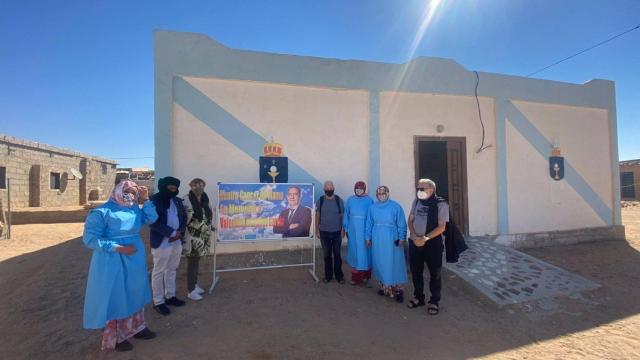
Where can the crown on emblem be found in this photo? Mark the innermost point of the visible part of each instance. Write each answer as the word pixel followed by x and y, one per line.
pixel 272 149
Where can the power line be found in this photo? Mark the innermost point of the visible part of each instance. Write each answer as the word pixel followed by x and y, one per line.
pixel 585 50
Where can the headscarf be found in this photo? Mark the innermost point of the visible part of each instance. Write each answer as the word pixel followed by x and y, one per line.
pixel 362 186
pixel 117 194
pixel 165 194
pixel 203 204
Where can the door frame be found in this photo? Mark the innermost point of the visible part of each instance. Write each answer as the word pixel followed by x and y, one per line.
pixel 465 194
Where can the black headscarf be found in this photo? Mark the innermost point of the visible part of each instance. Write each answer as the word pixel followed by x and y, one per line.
pixel 164 192
pixel 198 206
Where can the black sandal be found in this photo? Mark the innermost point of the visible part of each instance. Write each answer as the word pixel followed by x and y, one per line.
pixel 381 292
pixel 432 309
pixel 414 303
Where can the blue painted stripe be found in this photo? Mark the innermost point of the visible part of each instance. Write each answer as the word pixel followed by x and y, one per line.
pixel 374 139
pixel 229 127
pixel 501 145
pixel 571 175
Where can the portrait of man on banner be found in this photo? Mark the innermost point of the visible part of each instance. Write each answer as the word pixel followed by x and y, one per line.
pixel 295 220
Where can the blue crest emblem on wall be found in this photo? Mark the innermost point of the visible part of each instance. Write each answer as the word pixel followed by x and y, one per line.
pixel 556 167
pixel 274 166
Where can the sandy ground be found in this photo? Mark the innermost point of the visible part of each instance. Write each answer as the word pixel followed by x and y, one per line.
pixel 283 314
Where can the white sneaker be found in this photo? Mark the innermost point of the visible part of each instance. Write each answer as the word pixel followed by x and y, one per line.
pixel 199 289
pixel 194 295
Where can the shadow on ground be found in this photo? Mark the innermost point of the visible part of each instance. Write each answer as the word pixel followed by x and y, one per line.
pixel 283 314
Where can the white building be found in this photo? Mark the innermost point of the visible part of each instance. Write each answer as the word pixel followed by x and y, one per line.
pixel 343 120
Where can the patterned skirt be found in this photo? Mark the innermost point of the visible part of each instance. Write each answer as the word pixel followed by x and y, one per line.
pixel 117 331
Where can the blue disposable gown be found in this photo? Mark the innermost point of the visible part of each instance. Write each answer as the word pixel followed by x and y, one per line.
pixel 386 224
pixel 117 285
pixel 355 215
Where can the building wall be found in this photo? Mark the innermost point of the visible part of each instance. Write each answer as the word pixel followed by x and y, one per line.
pixel 29 166
pixel 322 130
pixel 352 120
pixel 405 115
pixel 635 169
pixel 536 201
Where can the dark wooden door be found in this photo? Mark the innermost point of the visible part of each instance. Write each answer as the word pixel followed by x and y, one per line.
pixel 456 167
pixel 444 160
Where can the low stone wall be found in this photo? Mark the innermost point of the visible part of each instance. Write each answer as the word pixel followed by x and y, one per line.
pixel 49 215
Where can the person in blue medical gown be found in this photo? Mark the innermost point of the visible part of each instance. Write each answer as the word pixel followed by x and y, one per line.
pixel 117 285
pixel 385 233
pixel 355 215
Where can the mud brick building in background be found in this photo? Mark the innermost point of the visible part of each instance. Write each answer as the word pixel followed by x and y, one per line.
pixel 629 179
pixel 42 175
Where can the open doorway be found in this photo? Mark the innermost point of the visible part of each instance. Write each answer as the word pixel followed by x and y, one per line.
pixel 444 160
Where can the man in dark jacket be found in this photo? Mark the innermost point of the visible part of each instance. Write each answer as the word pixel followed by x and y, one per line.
pixel 166 244
pixel 427 221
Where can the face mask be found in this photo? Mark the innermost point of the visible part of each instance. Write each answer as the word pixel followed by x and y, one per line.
pixel 383 197
pixel 328 192
pixel 128 198
pixel 422 195
pixel 359 192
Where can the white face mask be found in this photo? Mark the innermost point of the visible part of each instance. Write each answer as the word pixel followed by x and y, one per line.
pixel 128 198
pixel 422 195
pixel 359 192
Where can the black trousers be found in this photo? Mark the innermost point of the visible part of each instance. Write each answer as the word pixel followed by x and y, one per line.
pixel 431 254
pixel 331 246
pixel 192 272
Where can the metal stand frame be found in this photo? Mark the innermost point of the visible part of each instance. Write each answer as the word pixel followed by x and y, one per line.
pixel 216 278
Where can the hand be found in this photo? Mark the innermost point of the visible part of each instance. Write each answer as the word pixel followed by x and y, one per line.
pixel 342 233
pixel 368 242
pixel 143 193
pixel 127 250
pixel 419 241
pixel 401 243
pixel 176 237
pixel 293 226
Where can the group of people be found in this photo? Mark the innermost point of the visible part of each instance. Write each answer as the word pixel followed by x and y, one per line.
pixel 117 285
pixel 377 232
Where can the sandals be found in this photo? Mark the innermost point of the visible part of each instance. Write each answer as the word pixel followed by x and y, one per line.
pixel 414 303
pixel 433 309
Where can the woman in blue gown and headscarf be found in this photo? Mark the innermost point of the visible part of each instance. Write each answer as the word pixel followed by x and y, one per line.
pixel 117 285
pixel 355 215
pixel 386 231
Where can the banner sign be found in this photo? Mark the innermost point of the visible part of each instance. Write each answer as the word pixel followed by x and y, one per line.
pixel 255 211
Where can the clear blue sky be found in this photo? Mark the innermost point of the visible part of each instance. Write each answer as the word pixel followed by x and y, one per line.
pixel 79 74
